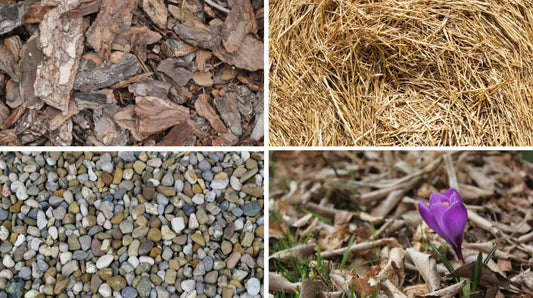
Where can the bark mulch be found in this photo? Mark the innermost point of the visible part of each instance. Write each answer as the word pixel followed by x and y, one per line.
pixel 131 72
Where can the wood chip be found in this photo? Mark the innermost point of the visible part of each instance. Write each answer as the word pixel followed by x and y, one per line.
pixel 240 21
pixel 249 56
pixel 114 18
pixel 107 73
pixel 200 35
pixel 179 135
pixel 31 58
pixel 227 108
pixel 155 114
pixel 205 110
pixel 62 45
pixel 156 11
pixel 11 16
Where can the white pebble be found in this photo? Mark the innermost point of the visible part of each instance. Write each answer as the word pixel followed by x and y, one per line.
pixel 104 261
pixel 8 261
pixel 146 259
pixel 20 240
pixel 105 290
pixel 188 285
pixel 178 224
pixel 42 222
pixel 253 286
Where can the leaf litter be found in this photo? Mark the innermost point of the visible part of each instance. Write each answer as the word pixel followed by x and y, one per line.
pixel 346 224
pixel 129 72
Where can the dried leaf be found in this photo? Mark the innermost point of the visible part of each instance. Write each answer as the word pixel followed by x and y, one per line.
pixel 450 291
pixel 488 278
pixel 427 266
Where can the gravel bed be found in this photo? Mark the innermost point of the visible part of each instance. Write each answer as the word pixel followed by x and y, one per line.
pixel 131 224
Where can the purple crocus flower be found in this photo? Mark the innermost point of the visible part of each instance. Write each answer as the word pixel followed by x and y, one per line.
pixel 446 215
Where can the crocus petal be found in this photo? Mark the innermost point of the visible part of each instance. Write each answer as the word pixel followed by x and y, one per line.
pixel 436 197
pixel 438 210
pixel 455 219
pixel 453 195
pixel 428 217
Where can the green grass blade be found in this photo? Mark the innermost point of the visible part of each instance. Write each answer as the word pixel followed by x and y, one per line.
pixel 319 217
pixel 491 253
pixel 442 258
pixel 477 272
pixel 347 253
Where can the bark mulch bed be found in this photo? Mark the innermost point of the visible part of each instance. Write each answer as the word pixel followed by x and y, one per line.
pixel 346 224
pixel 131 72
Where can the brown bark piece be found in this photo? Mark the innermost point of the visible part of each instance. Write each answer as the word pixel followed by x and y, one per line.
pixel 156 11
pixel 225 139
pixel 36 13
pixel 229 112
pixel 4 113
pixel 107 73
pixel 84 8
pixel 150 88
pixel 114 17
pixel 105 131
pixel 31 58
pixel 249 56
pixel 134 38
pixel 13 99
pixel 201 58
pixel 62 45
pixel 125 118
pixel 8 137
pixel 240 21
pixel 204 79
pixel 178 135
pixel 11 16
pixel 94 99
pixel 58 118
pixel 204 109
pixel 8 64
pixel 181 76
pixel 198 34
pixel 155 114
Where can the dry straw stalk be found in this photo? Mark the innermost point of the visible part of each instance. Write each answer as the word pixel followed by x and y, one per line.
pixel 411 72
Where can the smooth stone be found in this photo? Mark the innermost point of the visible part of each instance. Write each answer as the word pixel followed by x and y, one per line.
pixel 144 287
pixel 145 247
pixel 70 268
pixel 251 209
pixel 211 277
pixel 233 259
pixel 42 222
pixel 104 261
pixel 80 255
pixel 208 263
pixel 85 242
pixel 117 282
pixel 4 214
pixel 198 238
pixel 219 184
pixel 15 287
pixel 126 227
pixel 25 273
pixel 129 292
pixel 188 285
pixel 127 156
pixel 193 222
pixel 105 290
pixel 166 233
pixel 253 190
pixel 253 286
pixel 178 224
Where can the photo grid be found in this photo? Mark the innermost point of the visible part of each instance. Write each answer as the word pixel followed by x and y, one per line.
pixel 252 148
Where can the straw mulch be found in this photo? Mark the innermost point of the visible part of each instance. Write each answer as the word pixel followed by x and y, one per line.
pixel 393 72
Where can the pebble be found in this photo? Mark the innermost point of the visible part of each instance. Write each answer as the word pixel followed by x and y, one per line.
pixel 178 224
pixel 251 209
pixel 128 292
pixel 253 286
pixel 188 285
pixel 104 261
pixel 144 287
pixel 105 290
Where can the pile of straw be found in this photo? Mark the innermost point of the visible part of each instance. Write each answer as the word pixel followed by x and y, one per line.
pixel 401 72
